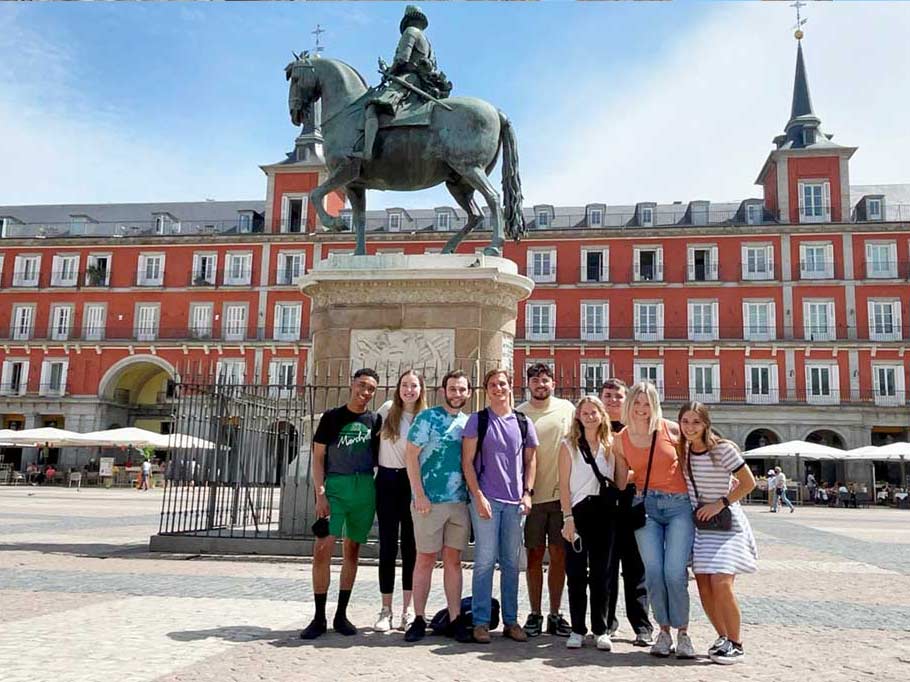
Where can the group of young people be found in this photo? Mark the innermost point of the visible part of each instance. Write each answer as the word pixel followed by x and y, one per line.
pixel 603 485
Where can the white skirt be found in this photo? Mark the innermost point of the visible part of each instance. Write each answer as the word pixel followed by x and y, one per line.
pixel 726 551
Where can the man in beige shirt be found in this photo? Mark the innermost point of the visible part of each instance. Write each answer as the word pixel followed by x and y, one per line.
pixel 552 418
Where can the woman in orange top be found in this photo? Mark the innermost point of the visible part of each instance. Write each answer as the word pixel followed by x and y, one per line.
pixel 665 541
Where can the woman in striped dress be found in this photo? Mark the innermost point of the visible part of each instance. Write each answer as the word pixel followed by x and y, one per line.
pixel 710 465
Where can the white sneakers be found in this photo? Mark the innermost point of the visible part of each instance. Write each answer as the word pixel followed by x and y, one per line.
pixel 684 648
pixel 407 617
pixel 575 641
pixel 603 642
pixel 384 621
pixel 663 645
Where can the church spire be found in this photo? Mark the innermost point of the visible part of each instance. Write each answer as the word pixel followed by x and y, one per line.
pixel 802 102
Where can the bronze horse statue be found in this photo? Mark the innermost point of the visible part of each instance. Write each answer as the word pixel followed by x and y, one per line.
pixel 459 146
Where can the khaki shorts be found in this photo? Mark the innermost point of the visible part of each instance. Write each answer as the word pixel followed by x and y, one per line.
pixel 448 524
pixel 544 525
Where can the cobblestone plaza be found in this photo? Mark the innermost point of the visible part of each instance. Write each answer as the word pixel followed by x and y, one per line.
pixel 82 599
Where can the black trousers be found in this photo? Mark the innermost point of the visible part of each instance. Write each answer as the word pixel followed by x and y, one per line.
pixel 625 553
pixel 393 510
pixel 587 570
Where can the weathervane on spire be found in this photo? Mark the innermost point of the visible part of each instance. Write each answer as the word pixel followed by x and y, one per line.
pixel 798 33
pixel 318 31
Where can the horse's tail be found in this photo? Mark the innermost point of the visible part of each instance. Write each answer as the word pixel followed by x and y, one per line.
pixel 511 181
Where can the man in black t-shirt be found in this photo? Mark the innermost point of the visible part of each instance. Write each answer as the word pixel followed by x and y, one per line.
pixel 625 550
pixel 345 448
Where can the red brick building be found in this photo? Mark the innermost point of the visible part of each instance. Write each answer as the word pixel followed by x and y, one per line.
pixel 775 308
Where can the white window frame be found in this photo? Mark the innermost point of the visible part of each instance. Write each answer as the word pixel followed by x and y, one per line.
pixel 833 396
pixel 714 369
pixel 282 331
pixel 394 223
pixel 1 266
pixel 209 274
pixel 282 386
pixel 658 263
pixel 699 333
pixel 769 334
pixel 595 217
pixel 231 371
pixel 244 223
pixel 604 274
pixel 546 330
pixel 60 321
pixel 246 269
pixel 812 332
pixel 91 260
pixel 591 333
pixel 44 387
pixel 637 370
pixel 22 321
pixel 813 213
pixel 772 397
pixel 202 320
pixel 900 395
pixel 896 333
pixel 827 272
pixel 646 213
pixel 143 278
pixel 768 256
pixel 284 225
pixel 233 329
pixel 711 268
pixel 348 219
pixel 543 219
pixel 59 264
pixel 6 378
pixel 21 269
pixel 751 209
pixel 638 333
pixel 890 272
pixel 443 221
pixel 877 213
pixel 287 274
pixel 601 371
pixel 144 330
pixel 544 274
pixel 95 332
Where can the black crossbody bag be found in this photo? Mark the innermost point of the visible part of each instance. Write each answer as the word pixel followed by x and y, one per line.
pixel 609 493
pixel 637 514
pixel 723 520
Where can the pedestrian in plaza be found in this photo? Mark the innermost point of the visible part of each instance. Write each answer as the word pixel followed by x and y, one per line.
pixel 648 447
pixel 345 449
pixel 393 496
pixel 588 497
pixel 552 418
pixel 499 463
pixel 724 546
pixel 780 490
pixel 440 511
pixel 811 486
pixel 144 474
pixel 625 553
pixel 771 479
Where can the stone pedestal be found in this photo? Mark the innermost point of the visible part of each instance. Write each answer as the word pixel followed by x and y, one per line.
pixel 430 312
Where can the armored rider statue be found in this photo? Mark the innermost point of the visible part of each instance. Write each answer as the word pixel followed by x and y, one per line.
pixel 414 63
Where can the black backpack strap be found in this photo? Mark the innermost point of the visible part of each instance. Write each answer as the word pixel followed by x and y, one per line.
pixel 483 422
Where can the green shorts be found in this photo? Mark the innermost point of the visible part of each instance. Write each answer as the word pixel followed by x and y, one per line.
pixel 352 505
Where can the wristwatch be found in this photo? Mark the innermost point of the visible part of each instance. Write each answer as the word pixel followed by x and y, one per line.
pixel 320 490
pixel 529 491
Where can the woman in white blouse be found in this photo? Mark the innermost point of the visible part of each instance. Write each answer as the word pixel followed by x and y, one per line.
pixel 393 496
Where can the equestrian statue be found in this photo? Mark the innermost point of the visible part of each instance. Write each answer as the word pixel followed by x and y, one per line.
pixel 407 134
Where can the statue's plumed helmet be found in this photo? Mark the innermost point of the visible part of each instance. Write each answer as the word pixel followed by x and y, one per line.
pixel 413 16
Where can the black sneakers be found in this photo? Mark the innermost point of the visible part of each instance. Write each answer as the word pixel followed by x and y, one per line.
pixel 461 632
pixel 557 625
pixel 534 624
pixel 344 627
pixel 728 653
pixel 316 628
pixel 417 630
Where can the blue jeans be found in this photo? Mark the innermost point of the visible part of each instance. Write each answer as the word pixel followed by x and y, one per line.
pixel 497 538
pixel 665 545
pixel 781 496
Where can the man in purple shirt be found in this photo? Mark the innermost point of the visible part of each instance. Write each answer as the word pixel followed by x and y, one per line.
pixel 500 476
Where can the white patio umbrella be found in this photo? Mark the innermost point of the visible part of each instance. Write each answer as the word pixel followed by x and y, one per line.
pixel 175 441
pixel 46 435
pixel 893 452
pixel 797 448
pixel 127 436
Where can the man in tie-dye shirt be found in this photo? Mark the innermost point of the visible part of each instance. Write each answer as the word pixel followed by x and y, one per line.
pixel 439 509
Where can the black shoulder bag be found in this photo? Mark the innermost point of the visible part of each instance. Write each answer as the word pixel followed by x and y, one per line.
pixel 723 520
pixel 609 493
pixel 637 515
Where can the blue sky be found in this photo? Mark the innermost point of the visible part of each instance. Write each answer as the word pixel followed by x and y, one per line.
pixel 614 102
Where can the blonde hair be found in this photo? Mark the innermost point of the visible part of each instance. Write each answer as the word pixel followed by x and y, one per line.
pixel 604 432
pixel 649 390
pixel 391 425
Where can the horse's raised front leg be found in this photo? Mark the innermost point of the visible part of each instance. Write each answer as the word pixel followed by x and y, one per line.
pixel 463 194
pixel 357 196
pixel 344 173
pixel 477 178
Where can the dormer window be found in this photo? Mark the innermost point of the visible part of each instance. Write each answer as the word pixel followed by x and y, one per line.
pixel 543 219
pixel 647 216
pixel 442 221
pixel 874 209
pixel 162 222
pixel 348 220
pixel 808 137
pixel 595 217
pixel 394 222
pixel 245 223
pixel 754 214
